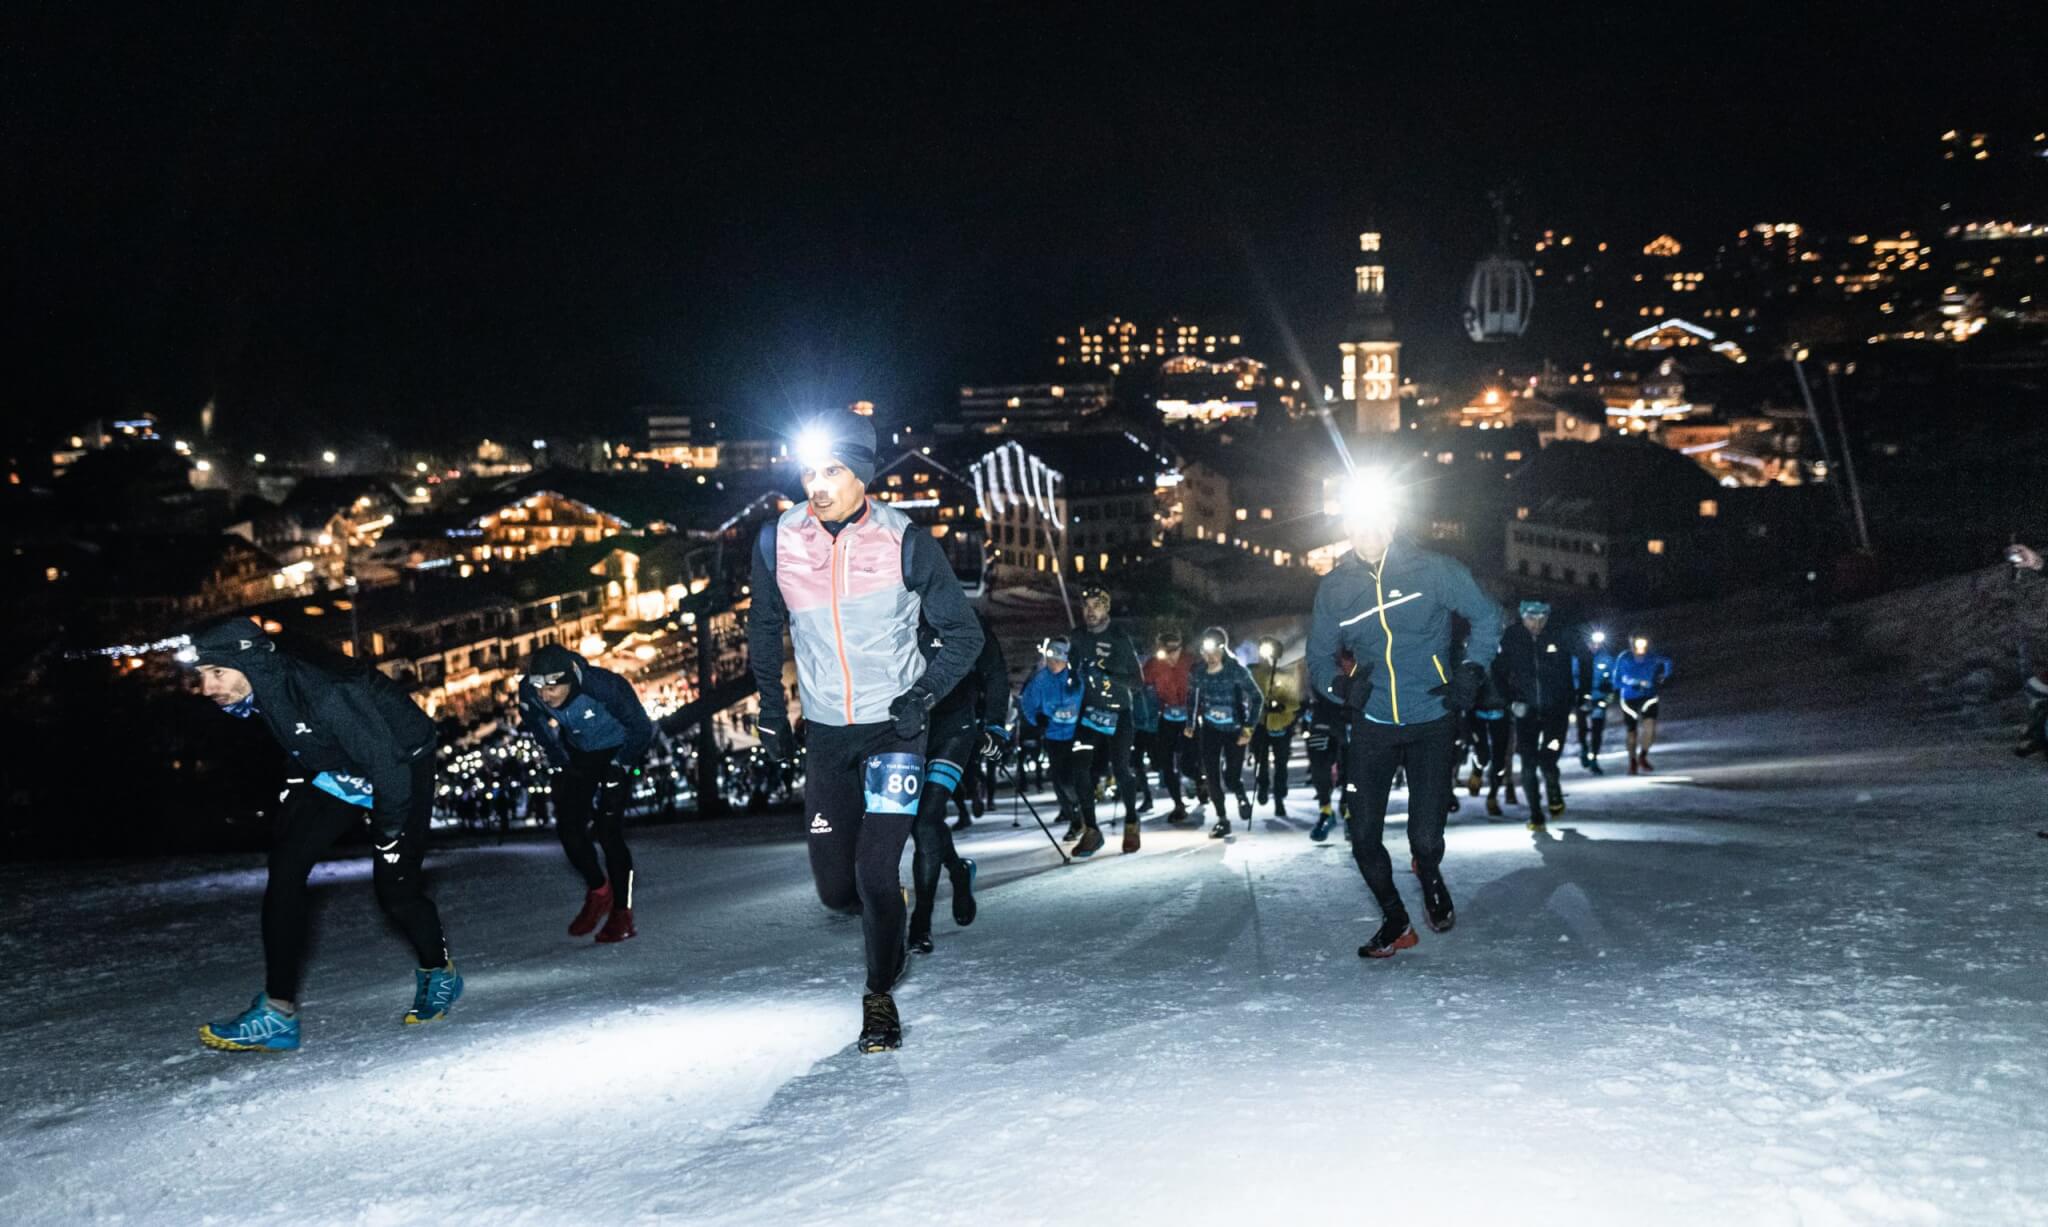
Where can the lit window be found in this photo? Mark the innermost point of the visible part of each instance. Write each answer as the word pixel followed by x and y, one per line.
pixel 1709 508
pixel 1655 546
pixel 1265 513
pixel 1241 513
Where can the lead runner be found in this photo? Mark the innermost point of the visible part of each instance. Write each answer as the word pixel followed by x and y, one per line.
pixel 848 577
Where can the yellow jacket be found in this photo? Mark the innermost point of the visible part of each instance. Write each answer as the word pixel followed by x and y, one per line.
pixel 1283 689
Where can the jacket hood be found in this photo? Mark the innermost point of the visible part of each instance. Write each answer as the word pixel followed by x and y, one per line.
pixel 554 658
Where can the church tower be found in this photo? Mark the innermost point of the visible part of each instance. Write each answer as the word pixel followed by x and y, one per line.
pixel 1372 357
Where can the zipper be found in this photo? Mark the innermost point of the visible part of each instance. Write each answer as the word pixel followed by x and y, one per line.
pixel 1393 679
pixel 838 633
pixel 1443 677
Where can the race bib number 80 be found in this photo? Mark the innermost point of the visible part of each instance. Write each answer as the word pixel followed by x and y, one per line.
pixel 892 782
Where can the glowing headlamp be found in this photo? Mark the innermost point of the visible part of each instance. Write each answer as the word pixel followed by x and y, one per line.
pixel 1599 637
pixel 813 448
pixel 1210 645
pixel 1369 499
pixel 1641 644
pixel 1268 650
pixel 546 679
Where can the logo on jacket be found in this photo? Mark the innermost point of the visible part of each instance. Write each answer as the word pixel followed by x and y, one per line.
pixel 301 729
pixel 590 713
pixel 819 826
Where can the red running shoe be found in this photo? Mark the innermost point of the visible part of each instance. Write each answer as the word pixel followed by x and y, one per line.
pixel 595 905
pixel 618 926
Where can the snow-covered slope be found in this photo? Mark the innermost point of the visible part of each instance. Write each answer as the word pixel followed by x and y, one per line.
pixel 1796 978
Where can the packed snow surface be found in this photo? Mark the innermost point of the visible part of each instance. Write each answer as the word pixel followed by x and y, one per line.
pixel 1795 978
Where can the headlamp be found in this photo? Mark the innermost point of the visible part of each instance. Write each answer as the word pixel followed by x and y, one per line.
pixel 1599 637
pixel 1210 645
pixel 1369 499
pixel 547 679
pixel 813 448
pixel 1641 644
pixel 1268 650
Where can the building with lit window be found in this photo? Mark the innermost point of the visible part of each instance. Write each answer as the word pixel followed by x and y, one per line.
pixel 1622 516
pixel 1117 344
pixel 1068 506
pixel 931 486
pixel 1032 408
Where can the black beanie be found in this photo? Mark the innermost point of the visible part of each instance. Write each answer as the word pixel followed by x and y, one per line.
pixel 235 643
pixel 852 439
pixel 554 658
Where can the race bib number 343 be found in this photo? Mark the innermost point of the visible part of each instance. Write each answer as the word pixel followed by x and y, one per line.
pixel 892 783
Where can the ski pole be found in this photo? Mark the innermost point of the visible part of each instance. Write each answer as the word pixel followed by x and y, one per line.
pixel 1040 821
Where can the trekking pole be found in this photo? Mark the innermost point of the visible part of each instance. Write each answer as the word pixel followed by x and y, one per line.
pixel 1035 817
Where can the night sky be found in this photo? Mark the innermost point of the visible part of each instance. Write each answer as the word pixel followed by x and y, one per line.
pixel 432 221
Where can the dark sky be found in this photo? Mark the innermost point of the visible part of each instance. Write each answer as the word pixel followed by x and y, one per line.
pixel 430 220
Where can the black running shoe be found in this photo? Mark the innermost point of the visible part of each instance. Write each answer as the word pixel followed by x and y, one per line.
pixel 1221 828
pixel 1074 829
pixel 920 943
pixel 1395 933
pixel 963 891
pixel 880 1029
pixel 962 822
pixel 1322 827
pixel 1437 908
pixel 1091 842
pixel 1244 809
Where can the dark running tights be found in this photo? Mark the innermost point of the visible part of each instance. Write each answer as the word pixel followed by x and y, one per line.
pixel 309 824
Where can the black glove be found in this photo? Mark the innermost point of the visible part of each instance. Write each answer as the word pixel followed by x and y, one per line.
pixel 912 712
pixel 1354 689
pixel 1463 690
pixel 776 738
pixel 994 740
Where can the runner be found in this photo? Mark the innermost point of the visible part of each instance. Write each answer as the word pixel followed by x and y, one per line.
pixel 968 724
pixel 590 724
pixel 849 577
pixel 1328 728
pixel 1167 674
pixel 1639 676
pixel 1593 674
pixel 1107 658
pixel 1225 701
pixel 1050 705
pixel 1541 696
pixel 1391 604
pixel 1491 733
pixel 1273 736
pixel 361 757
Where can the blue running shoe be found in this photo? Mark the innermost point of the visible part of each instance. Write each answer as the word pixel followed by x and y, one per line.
pixel 434 990
pixel 260 1028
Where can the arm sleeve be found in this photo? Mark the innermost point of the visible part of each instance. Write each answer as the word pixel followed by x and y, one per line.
pixel 767 616
pixel 995 681
pixel 625 706
pixel 1324 638
pixel 1254 698
pixel 534 724
pixel 374 753
pixel 927 573
pixel 1463 594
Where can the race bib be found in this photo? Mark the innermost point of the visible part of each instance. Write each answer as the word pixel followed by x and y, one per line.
pixel 1179 713
pixel 1220 714
pixel 1065 715
pixel 892 781
pixel 1101 721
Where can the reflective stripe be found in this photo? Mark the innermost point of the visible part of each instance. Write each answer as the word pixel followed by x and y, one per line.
pixel 839 635
pixel 1393 680
pixel 1441 675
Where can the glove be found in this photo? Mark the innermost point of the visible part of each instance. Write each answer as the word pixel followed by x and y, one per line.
pixel 1244 737
pixel 1354 689
pixel 911 712
pixel 1521 710
pixel 776 737
pixel 994 740
pixel 1465 686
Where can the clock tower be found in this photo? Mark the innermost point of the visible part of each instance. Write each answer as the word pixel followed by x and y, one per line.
pixel 1372 357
